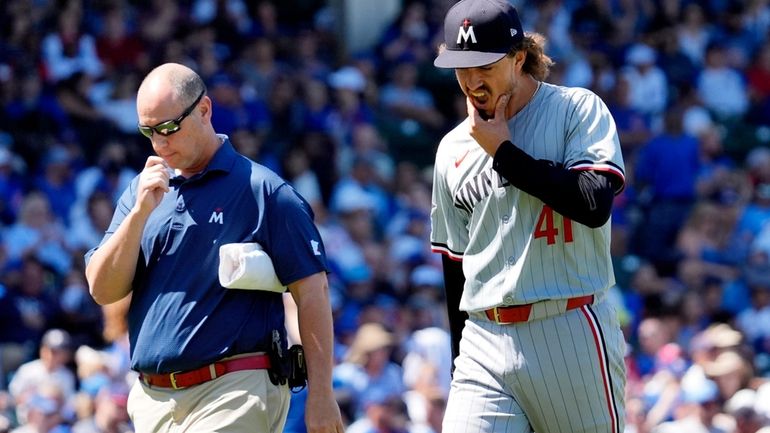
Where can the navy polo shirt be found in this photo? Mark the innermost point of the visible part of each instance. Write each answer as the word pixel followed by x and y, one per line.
pixel 180 317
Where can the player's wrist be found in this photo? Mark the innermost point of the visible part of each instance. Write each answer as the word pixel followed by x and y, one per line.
pixel 496 147
pixel 502 148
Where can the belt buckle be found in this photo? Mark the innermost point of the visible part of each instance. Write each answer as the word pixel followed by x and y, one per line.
pixel 172 377
pixel 497 317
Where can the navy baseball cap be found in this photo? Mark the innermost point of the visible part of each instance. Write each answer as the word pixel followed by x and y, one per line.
pixel 478 33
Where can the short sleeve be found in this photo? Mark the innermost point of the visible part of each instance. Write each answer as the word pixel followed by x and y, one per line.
pixel 291 237
pixel 592 140
pixel 122 209
pixel 449 224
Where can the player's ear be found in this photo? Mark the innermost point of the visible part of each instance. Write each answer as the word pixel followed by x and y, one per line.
pixel 519 58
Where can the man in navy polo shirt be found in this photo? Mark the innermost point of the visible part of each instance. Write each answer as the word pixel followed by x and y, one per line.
pixel 200 348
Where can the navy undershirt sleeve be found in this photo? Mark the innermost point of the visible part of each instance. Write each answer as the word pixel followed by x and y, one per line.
pixel 454 280
pixel 584 196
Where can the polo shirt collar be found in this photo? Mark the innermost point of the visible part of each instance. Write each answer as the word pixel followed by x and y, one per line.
pixel 223 160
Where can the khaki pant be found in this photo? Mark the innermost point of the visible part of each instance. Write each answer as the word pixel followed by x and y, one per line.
pixel 238 402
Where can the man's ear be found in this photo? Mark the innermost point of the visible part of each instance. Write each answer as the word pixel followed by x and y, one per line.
pixel 205 108
pixel 519 58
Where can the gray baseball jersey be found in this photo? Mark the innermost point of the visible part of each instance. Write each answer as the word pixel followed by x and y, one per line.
pixel 515 249
pixel 562 369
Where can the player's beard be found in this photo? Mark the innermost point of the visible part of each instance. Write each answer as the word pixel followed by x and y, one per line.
pixel 485 112
pixel 492 98
pixel 486 107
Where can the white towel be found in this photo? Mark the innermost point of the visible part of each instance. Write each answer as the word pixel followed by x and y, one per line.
pixel 247 266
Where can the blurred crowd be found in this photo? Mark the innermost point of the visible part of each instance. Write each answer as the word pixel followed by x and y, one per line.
pixel 688 83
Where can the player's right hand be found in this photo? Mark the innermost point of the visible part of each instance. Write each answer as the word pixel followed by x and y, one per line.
pixel 489 133
pixel 153 183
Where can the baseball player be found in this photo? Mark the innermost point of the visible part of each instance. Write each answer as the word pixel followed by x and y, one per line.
pixel 522 195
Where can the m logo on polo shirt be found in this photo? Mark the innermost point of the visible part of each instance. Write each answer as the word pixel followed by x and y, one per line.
pixel 466 32
pixel 217 216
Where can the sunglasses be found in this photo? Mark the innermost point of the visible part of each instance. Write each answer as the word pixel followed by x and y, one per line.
pixel 169 126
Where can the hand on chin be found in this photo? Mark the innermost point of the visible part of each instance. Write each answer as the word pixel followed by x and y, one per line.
pixel 481 106
pixel 485 114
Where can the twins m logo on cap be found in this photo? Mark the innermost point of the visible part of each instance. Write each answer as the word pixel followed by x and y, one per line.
pixel 478 33
pixel 466 32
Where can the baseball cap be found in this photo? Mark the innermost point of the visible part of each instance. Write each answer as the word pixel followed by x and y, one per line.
pixel 742 400
pixel 115 393
pixel 478 33
pixel 43 404
pixel 762 403
pixel 348 77
pixel 762 190
pixel 426 275
pixel 369 337
pixel 724 336
pixel 699 391
pixel 6 156
pixel 57 339
pixel 641 54
pixel 726 363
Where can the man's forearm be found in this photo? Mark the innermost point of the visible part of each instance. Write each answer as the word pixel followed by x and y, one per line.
pixel 316 332
pixel 317 340
pixel 111 269
pixel 322 415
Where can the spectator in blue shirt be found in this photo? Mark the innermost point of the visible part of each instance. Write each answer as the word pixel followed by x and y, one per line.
pixel 195 344
pixel 666 173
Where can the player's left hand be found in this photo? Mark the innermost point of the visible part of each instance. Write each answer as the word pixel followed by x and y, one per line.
pixel 322 414
pixel 491 133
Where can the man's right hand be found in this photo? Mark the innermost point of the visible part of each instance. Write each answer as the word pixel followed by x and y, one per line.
pixel 112 268
pixel 153 183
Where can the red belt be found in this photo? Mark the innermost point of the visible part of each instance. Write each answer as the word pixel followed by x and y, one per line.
pixel 520 313
pixel 186 379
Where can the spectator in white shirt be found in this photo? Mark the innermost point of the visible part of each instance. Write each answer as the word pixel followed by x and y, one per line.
pixel 722 89
pixel 51 368
pixel 648 83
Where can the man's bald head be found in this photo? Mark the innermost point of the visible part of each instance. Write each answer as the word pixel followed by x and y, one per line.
pixel 173 94
pixel 172 81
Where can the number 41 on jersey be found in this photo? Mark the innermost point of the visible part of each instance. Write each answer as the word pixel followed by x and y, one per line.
pixel 546 229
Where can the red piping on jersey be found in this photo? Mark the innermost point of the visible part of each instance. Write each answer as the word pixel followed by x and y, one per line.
pixel 445 251
pixel 602 357
pixel 604 169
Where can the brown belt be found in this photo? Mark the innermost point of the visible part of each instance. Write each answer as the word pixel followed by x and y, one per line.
pixel 186 379
pixel 520 313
